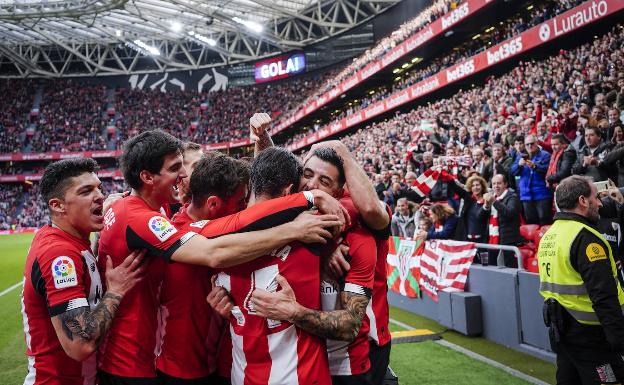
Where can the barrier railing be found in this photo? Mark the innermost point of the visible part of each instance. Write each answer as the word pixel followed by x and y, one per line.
pixel 500 260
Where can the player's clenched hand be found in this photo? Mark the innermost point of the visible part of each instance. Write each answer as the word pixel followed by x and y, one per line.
pixel 219 300
pixel 121 279
pixel 337 265
pixel 311 228
pixel 258 125
pixel 281 305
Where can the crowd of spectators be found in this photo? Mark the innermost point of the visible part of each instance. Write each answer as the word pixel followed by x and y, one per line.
pixel 525 130
pixel 214 117
pixel 16 98
pixel 518 23
pixel 10 196
pixel 71 118
pixel 405 30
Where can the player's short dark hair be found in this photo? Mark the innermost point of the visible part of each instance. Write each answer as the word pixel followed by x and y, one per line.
pixel 329 155
pixel 56 176
pixel 217 175
pixel 274 169
pixel 146 151
pixel 571 189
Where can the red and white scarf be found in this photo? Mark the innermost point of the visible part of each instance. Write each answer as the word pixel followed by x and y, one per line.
pixel 493 223
pixel 425 182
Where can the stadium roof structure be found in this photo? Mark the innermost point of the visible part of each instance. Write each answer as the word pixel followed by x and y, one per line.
pixel 57 38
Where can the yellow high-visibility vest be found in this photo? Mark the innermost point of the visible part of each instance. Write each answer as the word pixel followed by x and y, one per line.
pixel 559 280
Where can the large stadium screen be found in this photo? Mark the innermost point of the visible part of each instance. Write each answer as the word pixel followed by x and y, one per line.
pixel 279 67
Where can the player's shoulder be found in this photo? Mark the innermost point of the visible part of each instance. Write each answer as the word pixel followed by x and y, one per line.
pixel 52 245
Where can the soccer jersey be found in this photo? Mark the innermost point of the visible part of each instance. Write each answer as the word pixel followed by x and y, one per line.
pixel 60 275
pixel 271 352
pixel 377 310
pixel 191 330
pixel 352 358
pixel 130 224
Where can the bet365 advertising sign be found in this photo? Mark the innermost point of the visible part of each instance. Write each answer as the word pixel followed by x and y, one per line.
pixel 279 67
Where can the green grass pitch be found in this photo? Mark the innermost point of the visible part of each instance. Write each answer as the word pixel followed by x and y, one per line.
pixel 424 363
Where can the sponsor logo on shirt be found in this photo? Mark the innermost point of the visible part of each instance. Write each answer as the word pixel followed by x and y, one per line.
pixel 161 228
pixel 64 272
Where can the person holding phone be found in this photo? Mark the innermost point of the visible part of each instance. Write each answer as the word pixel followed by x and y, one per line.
pixel 531 168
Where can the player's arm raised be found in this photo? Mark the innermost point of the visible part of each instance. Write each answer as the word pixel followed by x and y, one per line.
pixel 362 192
pixel 81 330
pixel 259 132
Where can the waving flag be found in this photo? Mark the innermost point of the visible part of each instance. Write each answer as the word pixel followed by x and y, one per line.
pixel 403 272
pixel 444 265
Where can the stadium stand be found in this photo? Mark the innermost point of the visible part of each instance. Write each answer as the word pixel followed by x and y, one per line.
pixel 561 93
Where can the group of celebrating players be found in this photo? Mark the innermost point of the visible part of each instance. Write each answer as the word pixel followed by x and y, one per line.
pixel 290 256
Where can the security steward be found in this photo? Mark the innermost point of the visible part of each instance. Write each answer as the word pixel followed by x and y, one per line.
pixel 583 297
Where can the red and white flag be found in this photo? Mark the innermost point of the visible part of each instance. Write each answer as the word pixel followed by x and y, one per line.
pixel 444 265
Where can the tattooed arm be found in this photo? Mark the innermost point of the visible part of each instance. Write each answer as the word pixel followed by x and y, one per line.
pixel 82 330
pixel 343 325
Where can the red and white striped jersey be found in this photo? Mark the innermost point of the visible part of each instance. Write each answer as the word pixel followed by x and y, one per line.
pixel 352 358
pixel 270 352
pixel 377 310
pixel 61 274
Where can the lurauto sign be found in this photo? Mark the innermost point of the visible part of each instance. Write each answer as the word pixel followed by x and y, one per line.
pixel 279 67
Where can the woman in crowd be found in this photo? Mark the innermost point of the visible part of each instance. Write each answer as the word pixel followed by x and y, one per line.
pixel 473 219
pixel 444 223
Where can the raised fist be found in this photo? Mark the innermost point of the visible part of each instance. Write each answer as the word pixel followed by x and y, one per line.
pixel 258 125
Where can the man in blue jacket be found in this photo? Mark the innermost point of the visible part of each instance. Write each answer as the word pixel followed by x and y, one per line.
pixel 535 196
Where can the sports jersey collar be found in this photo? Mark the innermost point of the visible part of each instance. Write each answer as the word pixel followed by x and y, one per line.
pixel 54 228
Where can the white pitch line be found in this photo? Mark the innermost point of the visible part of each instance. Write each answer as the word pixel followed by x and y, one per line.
pixel 5 291
pixel 478 357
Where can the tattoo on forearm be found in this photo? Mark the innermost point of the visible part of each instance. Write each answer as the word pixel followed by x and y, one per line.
pixel 263 143
pixel 91 325
pixel 343 325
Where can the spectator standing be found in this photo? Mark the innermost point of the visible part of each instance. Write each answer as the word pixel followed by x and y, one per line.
pixel 503 205
pixel 403 221
pixel 472 224
pixel 535 196
pixel 590 159
pixel 562 160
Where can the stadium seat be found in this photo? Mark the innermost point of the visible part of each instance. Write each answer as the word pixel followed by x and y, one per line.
pixel 539 234
pixel 528 231
pixel 532 265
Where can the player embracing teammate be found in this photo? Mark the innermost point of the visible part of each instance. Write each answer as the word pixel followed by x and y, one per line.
pixel 150 320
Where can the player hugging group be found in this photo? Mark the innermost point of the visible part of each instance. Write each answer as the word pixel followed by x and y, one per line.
pixel 210 270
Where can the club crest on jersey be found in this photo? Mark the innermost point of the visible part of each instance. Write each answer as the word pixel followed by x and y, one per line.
pixel 161 228
pixel 64 272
